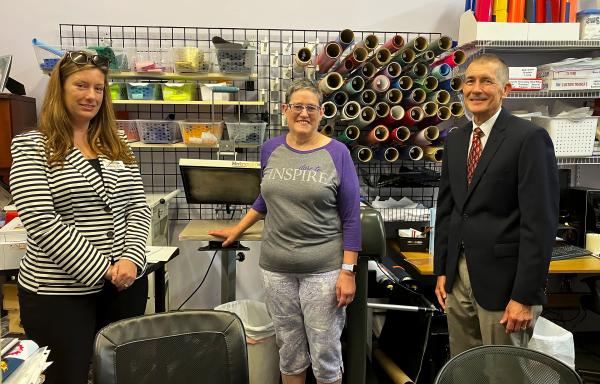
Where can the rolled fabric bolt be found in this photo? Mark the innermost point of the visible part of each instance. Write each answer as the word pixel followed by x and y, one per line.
pixel 351 110
pixel 394 43
pixel 331 83
pixel 345 38
pixel 413 116
pixel 442 71
pixel 370 42
pixel 352 60
pixel 349 135
pixel 441 45
pixel 381 57
pixel 404 83
pixel 380 83
pixel 426 57
pixel 329 110
pixel 327 130
pixel 399 135
pixel 366 97
pixel 354 85
pixel 388 154
pixel 376 136
pixel 302 59
pixel 405 57
pixel 418 44
pixel 414 97
pixel 454 59
pixel 417 71
pixel 429 109
pixel 367 70
pixel 457 109
pixel 425 136
pixel 382 109
pixel 442 115
pixel 393 118
pixel 428 84
pixel 392 96
pixel 339 98
pixel 433 154
pixel 365 117
pixel 391 70
pixel 361 154
pixel 441 97
pixel 411 152
pixel 328 56
pixel 454 84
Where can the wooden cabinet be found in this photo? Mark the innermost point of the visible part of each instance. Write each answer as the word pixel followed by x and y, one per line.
pixel 17 114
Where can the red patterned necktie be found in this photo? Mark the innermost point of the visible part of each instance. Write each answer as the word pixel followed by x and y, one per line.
pixel 475 153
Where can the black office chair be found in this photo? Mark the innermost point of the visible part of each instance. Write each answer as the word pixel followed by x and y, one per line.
pixel 505 364
pixel 177 347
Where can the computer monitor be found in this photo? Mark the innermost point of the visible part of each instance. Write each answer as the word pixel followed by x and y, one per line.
pixel 220 181
pixel 4 70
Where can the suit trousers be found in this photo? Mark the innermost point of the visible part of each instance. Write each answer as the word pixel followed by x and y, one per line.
pixel 67 324
pixel 470 325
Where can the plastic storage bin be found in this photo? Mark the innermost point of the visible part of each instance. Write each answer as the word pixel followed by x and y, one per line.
pixel 118 91
pixel 589 24
pixel 200 132
pixel 190 59
pixel 571 138
pixel 143 91
pixel 207 93
pixel 117 57
pixel 48 57
pixel 158 131
pixel 246 133
pixel 263 355
pixel 178 91
pixel 235 60
pixel 152 60
pixel 129 128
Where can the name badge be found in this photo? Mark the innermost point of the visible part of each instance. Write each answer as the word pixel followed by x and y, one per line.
pixel 115 165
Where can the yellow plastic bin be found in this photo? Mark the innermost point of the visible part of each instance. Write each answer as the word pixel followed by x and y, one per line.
pixel 263 355
pixel 193 132
pixel 179 91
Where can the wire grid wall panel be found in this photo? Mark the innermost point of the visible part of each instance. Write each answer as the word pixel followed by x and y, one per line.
pixel 275 52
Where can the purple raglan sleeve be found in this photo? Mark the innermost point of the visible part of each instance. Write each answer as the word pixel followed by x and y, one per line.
pixel 348 197
pixel 267 148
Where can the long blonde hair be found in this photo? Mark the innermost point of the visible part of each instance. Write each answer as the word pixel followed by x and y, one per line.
pixel 56 125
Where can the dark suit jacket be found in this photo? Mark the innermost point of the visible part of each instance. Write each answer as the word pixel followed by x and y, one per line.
pixel 507 218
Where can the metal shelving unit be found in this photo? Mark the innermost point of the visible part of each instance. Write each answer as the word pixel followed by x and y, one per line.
pixel 582 94
pixel 578 160
pixel 537 46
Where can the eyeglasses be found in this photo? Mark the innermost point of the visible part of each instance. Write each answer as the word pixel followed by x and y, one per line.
pixel 83 58
pixel 311 109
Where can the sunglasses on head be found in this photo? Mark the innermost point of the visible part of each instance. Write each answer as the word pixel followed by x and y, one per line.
pixel 83 58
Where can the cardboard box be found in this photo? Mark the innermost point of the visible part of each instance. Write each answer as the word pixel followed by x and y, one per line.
pixel 571 84
pixel 522 72
pixel 553 31
pixel 14 322
pixel 470 30
pixel 10 298
pixel 547 73
pixel 526 84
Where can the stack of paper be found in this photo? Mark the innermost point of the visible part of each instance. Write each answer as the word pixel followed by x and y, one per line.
pixel 571 74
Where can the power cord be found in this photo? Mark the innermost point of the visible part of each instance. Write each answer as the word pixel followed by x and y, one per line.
pixel 202 282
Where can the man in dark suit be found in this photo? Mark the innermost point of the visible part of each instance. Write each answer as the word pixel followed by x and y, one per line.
pixel 497 215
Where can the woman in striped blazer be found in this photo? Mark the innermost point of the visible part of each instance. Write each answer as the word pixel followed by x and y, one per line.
pixel 80 196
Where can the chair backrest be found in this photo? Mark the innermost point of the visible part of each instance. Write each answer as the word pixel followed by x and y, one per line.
pixel 176 347
pixel 505 364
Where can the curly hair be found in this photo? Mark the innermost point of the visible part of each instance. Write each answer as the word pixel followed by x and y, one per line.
pixel 56 125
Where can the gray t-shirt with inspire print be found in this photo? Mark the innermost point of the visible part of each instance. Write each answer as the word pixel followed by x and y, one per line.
pixel 312 204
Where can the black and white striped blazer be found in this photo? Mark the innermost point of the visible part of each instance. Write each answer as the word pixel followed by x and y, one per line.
pixel 77 222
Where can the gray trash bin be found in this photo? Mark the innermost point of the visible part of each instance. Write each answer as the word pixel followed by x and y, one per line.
pixel 263 355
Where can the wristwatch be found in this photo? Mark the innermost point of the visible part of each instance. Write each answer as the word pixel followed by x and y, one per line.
pixel 350 267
